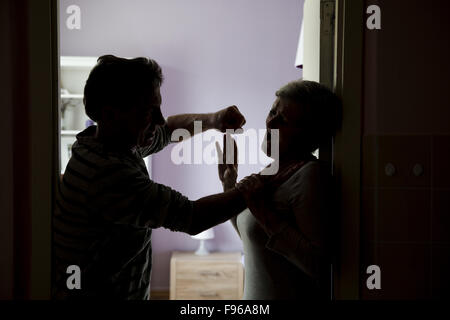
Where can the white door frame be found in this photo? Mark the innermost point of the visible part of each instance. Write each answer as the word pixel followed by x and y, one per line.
pixel 44 127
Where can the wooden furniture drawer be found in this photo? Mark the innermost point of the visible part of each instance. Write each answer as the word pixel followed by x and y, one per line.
pixel 211 291
pixel 216 276
pixel 207 271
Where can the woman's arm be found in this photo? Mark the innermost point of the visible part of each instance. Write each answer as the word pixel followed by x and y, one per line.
pixel 304 242
pixel 228 172
pixel 309 256
pixel 212 210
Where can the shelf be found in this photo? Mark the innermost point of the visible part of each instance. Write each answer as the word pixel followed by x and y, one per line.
pixel 78 62
pixel 74 73
pixel 70 132
pixel 72 96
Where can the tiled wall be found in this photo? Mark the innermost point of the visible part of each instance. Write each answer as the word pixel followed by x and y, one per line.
pixel 405 217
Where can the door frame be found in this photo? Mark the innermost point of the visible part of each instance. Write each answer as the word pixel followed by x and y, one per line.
pixel 43 30
pixel 41 113
pixel 348 84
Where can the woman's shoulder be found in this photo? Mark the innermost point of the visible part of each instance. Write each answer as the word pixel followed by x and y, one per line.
pixel 313 169
pixel 312 176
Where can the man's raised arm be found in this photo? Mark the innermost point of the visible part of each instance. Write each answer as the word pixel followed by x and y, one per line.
pixel 227 118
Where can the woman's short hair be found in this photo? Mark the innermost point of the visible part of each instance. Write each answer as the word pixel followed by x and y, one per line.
pixel 121 83
pixel 322 108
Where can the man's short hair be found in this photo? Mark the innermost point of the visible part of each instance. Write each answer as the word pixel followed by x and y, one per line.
pixel 121 83
pixel 322 108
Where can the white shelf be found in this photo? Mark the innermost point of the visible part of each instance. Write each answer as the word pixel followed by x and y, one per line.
pixel 70 132
pixel 78 62
pixel 72 96
pixel 74 73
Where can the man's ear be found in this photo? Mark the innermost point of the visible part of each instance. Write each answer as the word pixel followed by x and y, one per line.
pixel 108 113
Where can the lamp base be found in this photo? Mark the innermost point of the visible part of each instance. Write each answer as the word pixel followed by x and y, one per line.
pixel 202 251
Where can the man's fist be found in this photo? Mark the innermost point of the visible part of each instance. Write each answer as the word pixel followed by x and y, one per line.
pixel 228 118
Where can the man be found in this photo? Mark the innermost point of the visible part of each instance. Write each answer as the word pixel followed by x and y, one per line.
pixel 107 205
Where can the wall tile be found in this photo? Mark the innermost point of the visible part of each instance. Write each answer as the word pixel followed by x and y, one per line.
pixel 403 215
pixel 405 273
pixel 369 161
pixel 441 272
pixel 441 161
pixel 441 216
pixel 368 221
pixel 369 256
pixel 407 155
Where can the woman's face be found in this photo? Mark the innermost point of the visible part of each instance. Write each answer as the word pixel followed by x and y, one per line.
pixel 288 117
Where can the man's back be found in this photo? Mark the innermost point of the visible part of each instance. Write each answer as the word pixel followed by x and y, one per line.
pixel 105 209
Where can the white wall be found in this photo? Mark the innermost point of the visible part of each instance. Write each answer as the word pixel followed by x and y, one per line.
pixel 311 50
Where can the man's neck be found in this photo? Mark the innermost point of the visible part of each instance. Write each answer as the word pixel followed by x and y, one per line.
pixel 112 140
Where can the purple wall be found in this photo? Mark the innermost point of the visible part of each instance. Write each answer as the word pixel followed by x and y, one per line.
pixel 213 54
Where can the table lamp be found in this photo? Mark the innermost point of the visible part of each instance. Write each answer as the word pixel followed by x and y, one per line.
pixel 202 236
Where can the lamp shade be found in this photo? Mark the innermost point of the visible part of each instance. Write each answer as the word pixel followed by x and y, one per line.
pixel 205 235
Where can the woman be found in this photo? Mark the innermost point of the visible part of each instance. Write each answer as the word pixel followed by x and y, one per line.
pixel 285 231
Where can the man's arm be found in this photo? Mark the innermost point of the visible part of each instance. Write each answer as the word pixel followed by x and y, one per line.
pixel 218 208
pixel 215 209
pixel 124 195
pixel 228 118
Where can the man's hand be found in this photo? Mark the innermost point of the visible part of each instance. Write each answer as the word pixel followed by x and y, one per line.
pixel 257 183
pixel 258 190
pixel 228 118
pixel 258 200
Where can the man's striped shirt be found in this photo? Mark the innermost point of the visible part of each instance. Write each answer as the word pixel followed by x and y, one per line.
pixel 105 211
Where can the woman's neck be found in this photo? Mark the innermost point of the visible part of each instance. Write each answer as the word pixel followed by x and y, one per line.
pixel 286 160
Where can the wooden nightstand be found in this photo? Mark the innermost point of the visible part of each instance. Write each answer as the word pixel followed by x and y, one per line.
pixel 219 275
